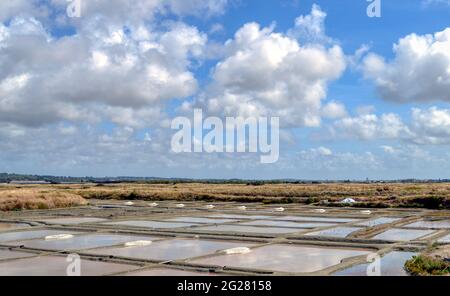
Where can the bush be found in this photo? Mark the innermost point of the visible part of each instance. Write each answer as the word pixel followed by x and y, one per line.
pixel 424 265
pixel 431 202
pixel 311 200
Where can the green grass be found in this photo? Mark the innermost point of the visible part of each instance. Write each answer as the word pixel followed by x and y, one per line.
pixel 424 265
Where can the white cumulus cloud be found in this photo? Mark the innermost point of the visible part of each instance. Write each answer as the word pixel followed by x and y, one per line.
pixel 44 79
pixel 419 72
pixel 269 73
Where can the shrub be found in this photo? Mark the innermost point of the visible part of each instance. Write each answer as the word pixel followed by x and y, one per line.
pixel 424 265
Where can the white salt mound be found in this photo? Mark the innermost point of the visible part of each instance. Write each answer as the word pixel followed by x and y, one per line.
pixel 238 250
pixel 58 237
pixel 140 243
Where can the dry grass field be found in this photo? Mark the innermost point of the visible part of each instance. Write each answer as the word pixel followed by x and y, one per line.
pixel 36 198
pixel 433 196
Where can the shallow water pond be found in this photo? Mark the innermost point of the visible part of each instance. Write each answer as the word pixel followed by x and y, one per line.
pixel 286 224
pixel 240 217
pixel 57 266
pixel 172 249
pixel 31 234
pixel 317 219
pixel 340 232
pixel 391 264
pixel 285 258
pixel 88 241
pixel 378 221
pixel 248 229
pixel 430 224
pixel 10 226
pixel 168 272
pixel 73 220
pixel 200 220
pixel 445 239
pixel 402 234
pixel 8 254
pixel 151 224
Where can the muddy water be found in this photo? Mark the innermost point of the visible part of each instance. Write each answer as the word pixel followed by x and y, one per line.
pixel 172 249
pixel 151 224
pixel 286 224
pixel 341 232
pixel 73 221
pixel 378 221
pixel 430 224
pixel 232 216
pixel 11 226
pixel 30 234
pixel 445 239
pixel 7 254
pixel 392 264
pixel 57 266
pixel 248 229
pixel 200 220
pixel 83 242
pixel 168 272
pixel 285 258
pixel 402 234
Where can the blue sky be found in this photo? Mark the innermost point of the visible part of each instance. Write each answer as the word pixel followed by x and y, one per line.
pixel 95 95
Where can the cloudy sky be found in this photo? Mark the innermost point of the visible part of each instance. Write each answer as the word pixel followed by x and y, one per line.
pixel 357 97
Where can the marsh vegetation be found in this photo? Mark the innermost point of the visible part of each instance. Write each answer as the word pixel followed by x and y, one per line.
pixel 431 196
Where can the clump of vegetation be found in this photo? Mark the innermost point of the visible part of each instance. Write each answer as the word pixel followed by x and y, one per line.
pixel 429 202
pixel 426 265
pixel 311 200
pixel 374 205
pixel 34 199
pixel 432 196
